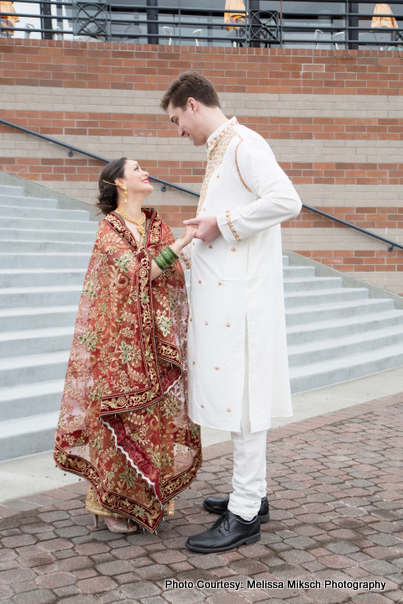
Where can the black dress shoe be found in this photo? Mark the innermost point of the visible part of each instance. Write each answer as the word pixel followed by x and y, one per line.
pixel 228 532
pixel 218 505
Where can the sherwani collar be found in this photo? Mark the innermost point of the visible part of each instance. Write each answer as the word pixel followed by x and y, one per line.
pixel 214 138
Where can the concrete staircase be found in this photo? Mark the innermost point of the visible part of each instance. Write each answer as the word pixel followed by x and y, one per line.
pixel 44 253
pixel 335 333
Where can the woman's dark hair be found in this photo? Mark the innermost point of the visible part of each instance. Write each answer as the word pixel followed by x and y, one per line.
pixel 108 193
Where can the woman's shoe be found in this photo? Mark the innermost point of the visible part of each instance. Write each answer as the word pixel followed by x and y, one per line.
pixel 118 525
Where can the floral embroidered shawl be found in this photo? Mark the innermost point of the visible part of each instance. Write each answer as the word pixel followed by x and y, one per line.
pixel 123 424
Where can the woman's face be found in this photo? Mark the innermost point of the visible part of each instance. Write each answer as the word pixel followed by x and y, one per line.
pixel 136 179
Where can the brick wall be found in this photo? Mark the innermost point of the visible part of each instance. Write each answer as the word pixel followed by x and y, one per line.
pixel 333 118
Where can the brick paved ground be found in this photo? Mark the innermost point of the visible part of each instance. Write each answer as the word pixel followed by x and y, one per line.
pixel 336 500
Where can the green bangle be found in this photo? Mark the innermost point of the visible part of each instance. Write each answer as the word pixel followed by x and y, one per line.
pixel 166 258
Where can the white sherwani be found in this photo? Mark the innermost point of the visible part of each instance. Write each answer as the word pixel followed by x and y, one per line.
pixel 237 285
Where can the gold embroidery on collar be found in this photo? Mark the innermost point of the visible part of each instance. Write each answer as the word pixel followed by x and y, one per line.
pixel 216 153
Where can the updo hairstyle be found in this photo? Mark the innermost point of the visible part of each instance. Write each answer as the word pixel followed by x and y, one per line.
pixel 108 193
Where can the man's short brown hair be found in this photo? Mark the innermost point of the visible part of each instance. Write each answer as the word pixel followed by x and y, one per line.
pixel 190 84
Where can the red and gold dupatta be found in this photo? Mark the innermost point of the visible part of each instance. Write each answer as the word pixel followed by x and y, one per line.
pixel 123 424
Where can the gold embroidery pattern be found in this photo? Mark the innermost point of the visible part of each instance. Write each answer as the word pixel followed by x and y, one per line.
pixel 231 226
pixel 237 166
pixel 217 148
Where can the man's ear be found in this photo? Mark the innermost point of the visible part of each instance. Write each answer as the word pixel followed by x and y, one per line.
pixel 192 104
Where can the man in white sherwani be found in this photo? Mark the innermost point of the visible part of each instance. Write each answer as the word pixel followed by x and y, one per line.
pixel 237 352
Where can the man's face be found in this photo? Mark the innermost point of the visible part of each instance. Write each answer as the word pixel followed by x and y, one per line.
pixel 188 122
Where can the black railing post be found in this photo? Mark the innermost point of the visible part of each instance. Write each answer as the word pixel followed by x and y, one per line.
pixel 152 18
pixel 353 21
pixel 46 21
pixel 254 5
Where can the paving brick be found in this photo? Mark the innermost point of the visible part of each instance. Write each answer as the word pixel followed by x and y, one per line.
pixel 206 561
pixel 18 541
pixel 184 596
pixel 371 598
pixel 55 580
pixel 117 567
pixel 39 596
pixel 89 549
pixel 379 567
pixel 55 545
pixel 64 592
pixel 139 590
pixel 79 599
pixel 18 575
pixel 96 585
pixel 342 547
pixel 168 557
pixel 154 572
pixel 5 593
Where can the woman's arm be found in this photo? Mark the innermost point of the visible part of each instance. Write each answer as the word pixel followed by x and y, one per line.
pixel 180 243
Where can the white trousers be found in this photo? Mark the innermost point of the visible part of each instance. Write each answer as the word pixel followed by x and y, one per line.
pixel 249 474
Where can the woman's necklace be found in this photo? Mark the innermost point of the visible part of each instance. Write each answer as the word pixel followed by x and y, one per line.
pixel 138 223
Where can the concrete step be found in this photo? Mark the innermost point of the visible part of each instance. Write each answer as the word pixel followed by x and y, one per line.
pixel 37 318
pixel 18 297
pixel 351 367
pixel 40 277
pixel 44 235
pixel 311 283
pixel 27 202
pixel 32 369
pixel 12 191
pixel 45 260
pixel 35 341
pixel 331 311
pixel 46 224
pixel 47 247
pixel 315 352
pixel 298 272
pixel 294 299
pixel 27 436
pixel 340 328
pixel 31 399
pixel 9 211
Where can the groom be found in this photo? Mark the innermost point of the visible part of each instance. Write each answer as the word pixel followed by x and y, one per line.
pixel 237 354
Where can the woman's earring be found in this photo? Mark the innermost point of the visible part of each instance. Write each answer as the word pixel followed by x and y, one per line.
pixel 125 193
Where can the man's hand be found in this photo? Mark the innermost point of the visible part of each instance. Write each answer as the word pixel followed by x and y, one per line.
pixel 207 228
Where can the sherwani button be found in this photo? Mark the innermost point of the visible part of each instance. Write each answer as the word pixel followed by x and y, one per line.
pixel 199 281
pixel 202 406
pixel 210 246
pixel 206 323
pixel 228 325
pixel 229 410
pixel 233 249
pixel 220 283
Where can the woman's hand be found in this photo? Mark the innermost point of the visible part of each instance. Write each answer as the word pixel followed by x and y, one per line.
pixel 186 237
pixel 180 243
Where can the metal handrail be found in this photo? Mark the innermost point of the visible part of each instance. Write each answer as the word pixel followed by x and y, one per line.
pixel 166 184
